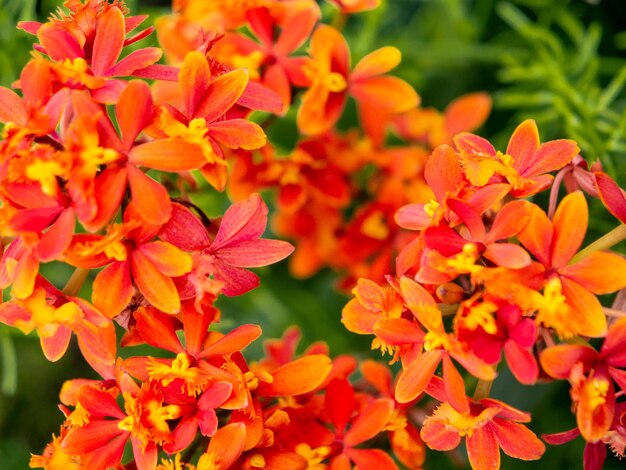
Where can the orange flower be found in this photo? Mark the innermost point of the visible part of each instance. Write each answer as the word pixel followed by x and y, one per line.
pixel 55 316
pixel 132 258
pixel 203 123
pixel 99 429
pixel 525 165
pixel 591 374
pixel 568 304
pixel 328 70
pixel 488 426
pixel 39 110
pixel 271 54
pixel 87 43
pixel 355 6
pixel 448 254
pixel 377 309
pixel 430 127
pixel 439 347
pixel 352 429
pixel 236 246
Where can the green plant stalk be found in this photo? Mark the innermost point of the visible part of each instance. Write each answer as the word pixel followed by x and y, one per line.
pixel 605 242
pixel 76 281
pixel 483 389
pixel 9 366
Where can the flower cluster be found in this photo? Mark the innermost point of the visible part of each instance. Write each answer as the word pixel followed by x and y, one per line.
pixel 337 191
pixel 513 282
pixel 450 261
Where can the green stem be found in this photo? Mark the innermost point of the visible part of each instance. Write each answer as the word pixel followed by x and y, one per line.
pixel 483 389
pixel 76 281
pixel 9 365
pixel 339 21
pixel 448 309
pixel 605 242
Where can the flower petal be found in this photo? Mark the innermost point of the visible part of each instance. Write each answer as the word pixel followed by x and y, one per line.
pixel 558 361
pixel 134 110
pixel 238 133
pixel 112 289
pixel 243 221
pixel 369 422
pixel 570 225
pixel 297 377
pixel 467 113
pixel 377 63
pixel 222 94
pixel 386 93
pixel 168 155
pixel 109 41
pixel 599 272
pixel 150 198
pixel 415 377
pixel 168 259
pixel 255 253
pixel 156 287
pixel 482 449
pixel 523 144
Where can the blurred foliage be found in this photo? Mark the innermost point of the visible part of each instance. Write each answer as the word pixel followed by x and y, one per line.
pixel 560 62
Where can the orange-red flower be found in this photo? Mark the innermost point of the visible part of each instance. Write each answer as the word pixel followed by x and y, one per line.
pixel 439 346
pixel 236 246
pixel 488 426
pixel 351 430
pixel 132 257
pixel 203 123
pixel 87 43
pixel 591 374
pixel 355 6
pixel 525 165
pixel 569 304
pixel 378 96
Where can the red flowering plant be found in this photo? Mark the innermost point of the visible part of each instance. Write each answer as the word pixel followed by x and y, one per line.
pixel 455 270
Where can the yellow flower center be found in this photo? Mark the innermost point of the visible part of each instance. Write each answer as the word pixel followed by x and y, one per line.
pixel 194 379
pixel 597 390
pixel 553 310
pixel 77 71
pixel 79 417
pixel 508 170
pixel 437 340
pixel 318 72
pixel 482 315
pixel 45 318
pixel 111 245
pixel 147 417
pixel 431 208
pixel 314 457
pixel 375 226
pixel 464 262
pixel 257 461
pixel 45 173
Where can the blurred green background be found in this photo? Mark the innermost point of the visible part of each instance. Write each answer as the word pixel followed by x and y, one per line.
pixel 560 62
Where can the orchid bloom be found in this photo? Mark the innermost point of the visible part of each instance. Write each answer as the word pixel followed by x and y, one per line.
pixel 236 246
pixel 332 81
pixel 487 426
pixel 87 43
pixel 568 304
pixel 439 347
pixel 525 164
pixel 592 375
